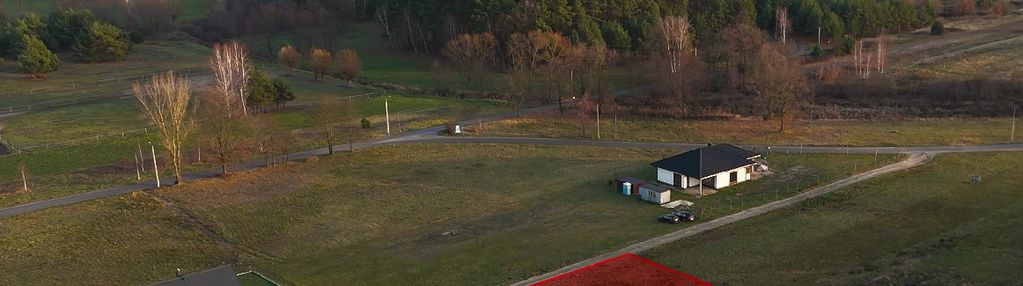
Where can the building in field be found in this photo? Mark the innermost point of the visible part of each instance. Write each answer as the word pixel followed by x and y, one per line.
pixel 716 167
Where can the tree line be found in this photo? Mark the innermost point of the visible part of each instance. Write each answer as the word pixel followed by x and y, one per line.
pixel 628 25
pixel 224 115
pixel 33 41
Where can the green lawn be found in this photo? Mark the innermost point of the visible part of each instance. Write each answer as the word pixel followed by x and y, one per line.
pixel 190 9
pixel 99 80
pixel 928 225
pixel 383 220
pixel 753 131
pixel 379 216
pixel 380 62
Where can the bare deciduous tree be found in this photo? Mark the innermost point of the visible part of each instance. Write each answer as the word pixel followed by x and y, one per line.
pixel 676 71
pixel 862 60
pixel 330 112
pixel 289 56
pixel 348 64
pixel 778 84
pixel 227 137
pixel 472 54
pixel 531 55
pixel 320 61
pixel 231 71
pixel 165 101
pixel 882 52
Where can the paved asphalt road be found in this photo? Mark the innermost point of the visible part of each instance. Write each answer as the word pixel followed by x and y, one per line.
pixel 430 135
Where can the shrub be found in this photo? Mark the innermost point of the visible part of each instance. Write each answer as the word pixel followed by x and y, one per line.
pixel 365 123
pixel 816 51
pixel 937 28
pixel 845 46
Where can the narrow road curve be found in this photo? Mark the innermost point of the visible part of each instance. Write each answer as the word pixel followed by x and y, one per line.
pixel 430 136
pixel 914 160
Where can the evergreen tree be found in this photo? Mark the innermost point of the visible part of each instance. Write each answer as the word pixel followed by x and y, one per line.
pixel 103 43
pixel 615 36
pixel 282 92
pixel 261 90
pixel 31 24
pixel 70 28
pixel 585 29
pixel 35 58
pixel 8 40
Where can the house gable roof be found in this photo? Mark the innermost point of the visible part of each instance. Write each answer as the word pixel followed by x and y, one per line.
pixel 706 161
pixel 222 276
pixel 736 150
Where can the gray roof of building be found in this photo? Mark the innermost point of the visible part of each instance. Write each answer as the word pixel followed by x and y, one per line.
pixel 220 276
pixel 735 150
pixel 707 161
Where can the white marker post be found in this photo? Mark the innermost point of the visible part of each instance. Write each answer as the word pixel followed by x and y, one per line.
pixel 156 169
pixel 598 121
pixel 387 116
pixel 1012 134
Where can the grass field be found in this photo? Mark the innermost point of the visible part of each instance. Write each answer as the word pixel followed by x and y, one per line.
pixel 380 62
pixel 130 240
pixel 77 80
pixel 190 9
pixel 928 225
pixel 822 133
pixel 441 214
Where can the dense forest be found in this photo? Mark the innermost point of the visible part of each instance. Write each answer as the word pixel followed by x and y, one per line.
pixel 627 24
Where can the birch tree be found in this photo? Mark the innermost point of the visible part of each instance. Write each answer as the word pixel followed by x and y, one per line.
pixel 784 24
pixel 882 52
pixel 676 67
pixel 165 101
pixel 231 72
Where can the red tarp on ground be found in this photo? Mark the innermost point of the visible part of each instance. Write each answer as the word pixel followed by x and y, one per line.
pixel 626 269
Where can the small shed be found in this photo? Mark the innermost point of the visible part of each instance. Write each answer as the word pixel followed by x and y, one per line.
pixel 628 186
pixel 654 193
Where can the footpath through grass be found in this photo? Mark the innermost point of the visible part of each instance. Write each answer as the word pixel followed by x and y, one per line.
pixel 811 133
pixel 927 225
pixel 435 214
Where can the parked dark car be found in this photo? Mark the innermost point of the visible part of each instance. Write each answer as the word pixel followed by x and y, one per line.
pixel 676 217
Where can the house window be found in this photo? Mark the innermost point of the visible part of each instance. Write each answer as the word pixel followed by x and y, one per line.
pixel 733 177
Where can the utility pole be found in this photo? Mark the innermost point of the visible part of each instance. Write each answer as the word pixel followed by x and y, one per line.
pixel 818 35
pixel 598 121
pixel 156 170
pixel 387 116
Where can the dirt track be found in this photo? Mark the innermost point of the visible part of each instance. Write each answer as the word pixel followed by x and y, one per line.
pixel 910 162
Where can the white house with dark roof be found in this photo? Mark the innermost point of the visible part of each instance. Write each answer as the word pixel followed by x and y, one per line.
pixel 717 167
